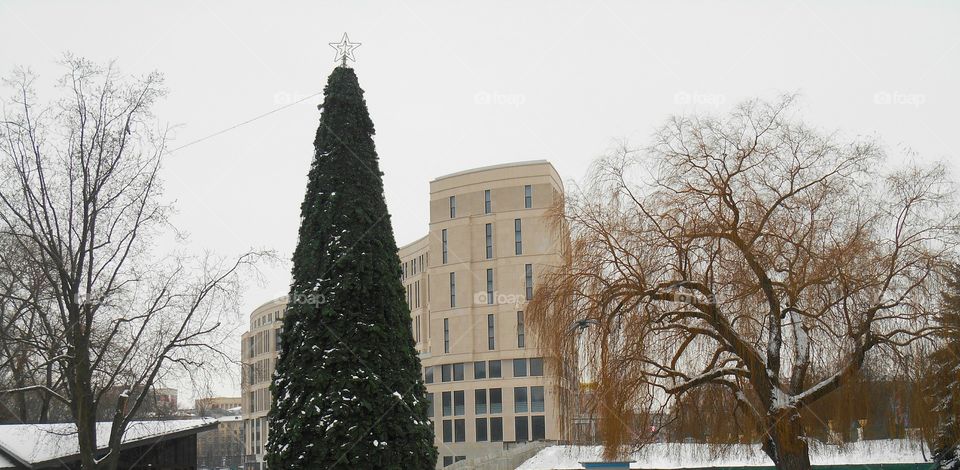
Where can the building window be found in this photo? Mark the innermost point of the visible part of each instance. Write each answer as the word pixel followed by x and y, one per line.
pixel 496 401
pixel 520 399
pixel 428 374
pixel 445 370
pixel 486 201
pixel 458 406
pixel 536 399
pixel 520 425
pixel 481 429
pixel 418 329
pixel 446 336
pixel 429 405
pixel 446 402
pixel 453 290
pixel 443 245
pixel 490 332
pixel 517 237
pixel 479 370
pixel 458 372
pixel 494 367
pixel 459 430
pixel 453 207
pixel 538 428
pixel 520 367
pixel 496 429
pixel 521 333
pixel 527 196
pixel 489 286
pixel 488 233
pixel 447 459
pixel 536 366
pixel 528 280
pixel 447 434
pixel 480 401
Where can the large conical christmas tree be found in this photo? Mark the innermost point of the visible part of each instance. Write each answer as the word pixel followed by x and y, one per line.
pixel 347 391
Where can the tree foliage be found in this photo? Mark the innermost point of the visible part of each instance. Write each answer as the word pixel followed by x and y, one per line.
pixel 752 253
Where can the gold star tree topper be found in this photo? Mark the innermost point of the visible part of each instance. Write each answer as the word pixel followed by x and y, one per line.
pixel 345 49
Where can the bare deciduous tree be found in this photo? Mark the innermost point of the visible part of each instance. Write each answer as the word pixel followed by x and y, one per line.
pixel 749 252
pixel 80 196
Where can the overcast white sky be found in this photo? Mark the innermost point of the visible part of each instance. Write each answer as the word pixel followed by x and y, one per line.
pixel 455 86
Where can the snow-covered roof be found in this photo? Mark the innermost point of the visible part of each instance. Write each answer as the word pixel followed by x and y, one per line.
pixel 667 456
pixel 29 444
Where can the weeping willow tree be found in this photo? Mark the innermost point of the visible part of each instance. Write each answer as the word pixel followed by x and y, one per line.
pixel 750 254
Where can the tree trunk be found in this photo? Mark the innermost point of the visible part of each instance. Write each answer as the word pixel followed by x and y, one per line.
pixel 785 444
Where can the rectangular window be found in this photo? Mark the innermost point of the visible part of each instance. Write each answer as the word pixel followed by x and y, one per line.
pixel 496 429
pixel 488 234
pixel 458 406
pixel 520 399
pixel 479 370
pixel 443 245
pixel 459 430
pixel 519 367
pixel 453 207
pixel 536 366
pixel 417 330
pixel 447 459
pixel 494 367
pixel 528 280
pixel 490 332
pixel 517 237
pixel 446 401
pixel 447 432
pixel 489 286
pixel 521 331
pixel 458 372
pixel 446 372
pixel 520 426
pixel 480 401
pixel 538 428
pixel 481 429
pixel 429 405
pixel 453 290
pixel 527 196
pixel 428 374
pixel 496 400
pixel 536 399
pixel 486 201
pixel 446 336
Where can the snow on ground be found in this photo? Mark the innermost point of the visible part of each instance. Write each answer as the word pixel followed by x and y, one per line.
pixel 42 442
pixel 742 455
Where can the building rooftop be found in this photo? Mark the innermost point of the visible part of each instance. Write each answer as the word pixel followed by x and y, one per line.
pixel 492 167
pixel 30 445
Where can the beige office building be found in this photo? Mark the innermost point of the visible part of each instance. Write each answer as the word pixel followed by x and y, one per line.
pixel 467 282
pixel 258 350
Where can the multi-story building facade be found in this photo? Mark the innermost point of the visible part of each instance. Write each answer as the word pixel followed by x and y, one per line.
pixel 258 349
pixel 216 406
pixel 467 282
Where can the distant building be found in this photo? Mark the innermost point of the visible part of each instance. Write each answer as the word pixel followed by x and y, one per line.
pixel 258 349
pixel 166 399
pixel 222 447
pixel 467 282
pixel 154 445
pixel 216 406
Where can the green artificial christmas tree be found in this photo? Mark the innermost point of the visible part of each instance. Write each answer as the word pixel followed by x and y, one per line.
pixel 347 391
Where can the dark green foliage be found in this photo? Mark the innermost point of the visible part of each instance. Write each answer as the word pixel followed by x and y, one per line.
pixel 347 390
pixel 945 384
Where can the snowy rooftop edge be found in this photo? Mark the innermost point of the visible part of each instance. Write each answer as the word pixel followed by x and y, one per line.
pixel 35 443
